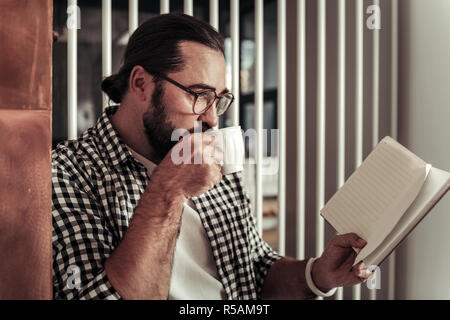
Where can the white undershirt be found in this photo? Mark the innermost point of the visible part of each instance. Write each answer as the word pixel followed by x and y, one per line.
pixel 194 272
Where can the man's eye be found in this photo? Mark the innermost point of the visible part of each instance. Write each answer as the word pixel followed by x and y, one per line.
pixel 202 93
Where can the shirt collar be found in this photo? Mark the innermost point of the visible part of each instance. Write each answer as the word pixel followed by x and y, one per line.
pixel 140 158
pixel 110 140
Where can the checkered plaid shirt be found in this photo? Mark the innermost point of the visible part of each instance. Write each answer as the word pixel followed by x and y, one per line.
pixel 97 184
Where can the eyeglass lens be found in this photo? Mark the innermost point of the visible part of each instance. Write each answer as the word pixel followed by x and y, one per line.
pixel 205 100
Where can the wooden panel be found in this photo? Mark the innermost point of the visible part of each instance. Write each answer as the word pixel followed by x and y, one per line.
pixel 25 46
pixel 25 149
pixel 25 204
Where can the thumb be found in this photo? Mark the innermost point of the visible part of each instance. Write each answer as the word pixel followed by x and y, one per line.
pixel 350 240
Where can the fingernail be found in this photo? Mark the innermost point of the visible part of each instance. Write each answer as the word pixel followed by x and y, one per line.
pixel 362 241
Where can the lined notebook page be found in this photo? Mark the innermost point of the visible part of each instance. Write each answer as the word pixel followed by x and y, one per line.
pixel 377 193
pixel 434 188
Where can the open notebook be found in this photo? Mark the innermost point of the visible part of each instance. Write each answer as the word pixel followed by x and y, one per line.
pixel 385 198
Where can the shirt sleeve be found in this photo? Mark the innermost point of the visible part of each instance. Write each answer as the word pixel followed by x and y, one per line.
pixel 263 256
pixel 82 239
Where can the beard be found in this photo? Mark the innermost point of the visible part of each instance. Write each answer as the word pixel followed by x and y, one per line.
pixel 158 127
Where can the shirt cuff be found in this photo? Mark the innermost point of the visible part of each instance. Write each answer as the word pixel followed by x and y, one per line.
pixel 311 284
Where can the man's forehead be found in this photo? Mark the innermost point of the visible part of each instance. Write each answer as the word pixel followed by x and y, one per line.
pixel 194 52
pixel 202 65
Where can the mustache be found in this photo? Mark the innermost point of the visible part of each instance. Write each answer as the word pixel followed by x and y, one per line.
pixel 205 127
pixel 186 132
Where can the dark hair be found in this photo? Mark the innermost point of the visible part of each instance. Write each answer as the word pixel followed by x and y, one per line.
pixel 154 46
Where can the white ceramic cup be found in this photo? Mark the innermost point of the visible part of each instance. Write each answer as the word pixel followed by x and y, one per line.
pixel 233 149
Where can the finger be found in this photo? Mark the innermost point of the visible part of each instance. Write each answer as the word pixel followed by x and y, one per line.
pixel 358 276
pixel 361 271
pixel 360 265
pixel 217 155
pixel 353 275
pixel 218 150
pixel 349 240
pixel 365 274
pixel 213 138
pixel 219 175
pixel 212 155
pixel 346 267
pixel 214 148
pixel 348 263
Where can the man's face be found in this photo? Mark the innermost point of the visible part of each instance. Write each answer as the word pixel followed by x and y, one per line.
pixel 171 107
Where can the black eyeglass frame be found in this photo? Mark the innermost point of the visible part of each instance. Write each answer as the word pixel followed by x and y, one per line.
pixel 197 94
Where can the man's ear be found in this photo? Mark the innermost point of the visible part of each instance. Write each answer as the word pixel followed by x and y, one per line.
pixel 141 83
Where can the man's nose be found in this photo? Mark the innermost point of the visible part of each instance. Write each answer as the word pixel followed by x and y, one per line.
pixel 210 116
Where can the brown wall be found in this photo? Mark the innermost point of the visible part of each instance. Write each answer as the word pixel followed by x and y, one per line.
pixel 25 149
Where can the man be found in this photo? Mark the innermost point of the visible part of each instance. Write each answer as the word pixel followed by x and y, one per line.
pixel 129 223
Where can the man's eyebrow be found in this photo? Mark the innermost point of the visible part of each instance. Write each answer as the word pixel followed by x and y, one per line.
pixel 206 87
pixel 201 86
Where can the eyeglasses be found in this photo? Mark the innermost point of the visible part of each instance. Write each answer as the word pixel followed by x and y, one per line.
pixel 205 99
